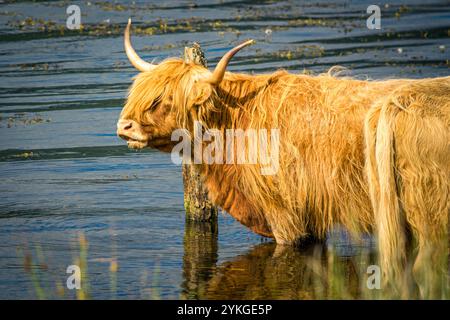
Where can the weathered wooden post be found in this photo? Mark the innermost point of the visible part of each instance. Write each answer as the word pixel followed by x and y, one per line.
pixel 200 235
pixel 196 203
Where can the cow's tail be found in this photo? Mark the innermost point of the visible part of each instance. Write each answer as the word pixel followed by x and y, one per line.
pixel 380 167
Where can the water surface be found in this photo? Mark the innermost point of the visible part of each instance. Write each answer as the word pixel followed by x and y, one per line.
pixel 65 176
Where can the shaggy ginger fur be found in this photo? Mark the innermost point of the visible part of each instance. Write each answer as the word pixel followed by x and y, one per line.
pixel 370 155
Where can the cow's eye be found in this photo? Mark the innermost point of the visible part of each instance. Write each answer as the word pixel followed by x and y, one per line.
pixel 154 104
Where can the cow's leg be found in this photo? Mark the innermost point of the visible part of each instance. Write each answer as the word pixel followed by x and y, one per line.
pixel 422 162
pixel 408 168
pixel 290 228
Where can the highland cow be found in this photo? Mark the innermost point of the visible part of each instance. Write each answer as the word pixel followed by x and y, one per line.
pixel 373 156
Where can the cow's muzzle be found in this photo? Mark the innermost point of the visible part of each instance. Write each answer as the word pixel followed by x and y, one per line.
pixel 132 132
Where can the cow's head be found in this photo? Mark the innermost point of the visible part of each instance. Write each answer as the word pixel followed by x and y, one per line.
pixel 165 97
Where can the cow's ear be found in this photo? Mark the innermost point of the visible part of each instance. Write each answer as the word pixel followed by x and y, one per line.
pixel 201 92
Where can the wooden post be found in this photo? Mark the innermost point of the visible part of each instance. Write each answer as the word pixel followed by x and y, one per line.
pixel 196 203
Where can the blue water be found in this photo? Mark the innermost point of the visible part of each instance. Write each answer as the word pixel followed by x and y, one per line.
pixel 63 172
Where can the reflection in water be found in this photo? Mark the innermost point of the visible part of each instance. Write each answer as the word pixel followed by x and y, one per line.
pixel 267 272
pixel 200 258
pixel 315 271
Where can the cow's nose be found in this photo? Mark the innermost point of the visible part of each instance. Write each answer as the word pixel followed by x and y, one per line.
pixel 124 125
pixel 131 130
pixel 126 129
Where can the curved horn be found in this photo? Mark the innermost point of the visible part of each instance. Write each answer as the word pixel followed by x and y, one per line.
pixel 221 67
pixel 135 60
